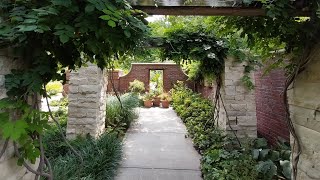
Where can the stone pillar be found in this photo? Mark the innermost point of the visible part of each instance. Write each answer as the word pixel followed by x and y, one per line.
pixel 238 100
pixel 304 102
pixel 87 102
pixel 9 169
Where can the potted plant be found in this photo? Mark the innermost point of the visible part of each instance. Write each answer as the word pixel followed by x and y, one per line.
pixel 156 98
pixel 136 86
pixel 165 100
pixel 147 100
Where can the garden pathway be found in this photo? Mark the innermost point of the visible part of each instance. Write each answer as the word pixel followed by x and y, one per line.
pixel 155 148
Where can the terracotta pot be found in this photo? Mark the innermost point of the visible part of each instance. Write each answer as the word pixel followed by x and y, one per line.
pixel 165 104
pixel 156 102
pixel 147 103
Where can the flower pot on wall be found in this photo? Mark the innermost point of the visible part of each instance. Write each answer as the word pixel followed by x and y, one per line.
pixel 147 103
pixel 165 104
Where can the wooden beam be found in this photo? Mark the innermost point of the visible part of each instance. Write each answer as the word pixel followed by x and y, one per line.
pixel 207 11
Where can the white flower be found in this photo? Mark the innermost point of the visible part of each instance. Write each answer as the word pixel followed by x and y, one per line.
pixel 220 43
pixel 212 55
pixel 206 47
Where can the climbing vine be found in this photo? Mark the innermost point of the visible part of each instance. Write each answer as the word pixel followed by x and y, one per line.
pixel 48 36
pixel 279 39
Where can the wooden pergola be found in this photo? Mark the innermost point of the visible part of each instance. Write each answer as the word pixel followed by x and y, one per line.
pixel 204 8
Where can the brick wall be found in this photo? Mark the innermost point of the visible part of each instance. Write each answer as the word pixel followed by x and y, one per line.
pixel 206 91
pixel 141 71
pixel 271 122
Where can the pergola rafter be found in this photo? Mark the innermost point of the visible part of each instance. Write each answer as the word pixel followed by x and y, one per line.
pixel 208 11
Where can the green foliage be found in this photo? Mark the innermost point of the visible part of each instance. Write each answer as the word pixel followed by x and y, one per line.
pixel 54 88
pixel 156 81
pixel 165 97
pixel 148 97
pixel 272 162
pixel 194 72
pixel 101 157
pixel 119 118
pixel 183 45
pixel 136 86
pixel 51 35
pixel 221 158
pixel 246 80
pixel 28 122
pixel 275 36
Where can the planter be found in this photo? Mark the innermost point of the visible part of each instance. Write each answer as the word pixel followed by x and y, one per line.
pixel 147 103
pixel 165 104
pixel 156 102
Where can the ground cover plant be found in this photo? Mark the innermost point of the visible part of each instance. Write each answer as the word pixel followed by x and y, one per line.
pixel 101 157
pixel 120 113
pixel 222 156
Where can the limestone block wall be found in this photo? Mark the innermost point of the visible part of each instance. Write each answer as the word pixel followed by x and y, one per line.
pixel 87 102
pixel 304 101
pixel 239 102
pixel 9 170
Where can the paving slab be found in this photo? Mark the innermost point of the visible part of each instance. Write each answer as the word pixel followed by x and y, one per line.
pixel 156 148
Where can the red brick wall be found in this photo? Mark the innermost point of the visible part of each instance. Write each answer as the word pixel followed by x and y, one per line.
pixel 141 71
pixel 205 91
pixel 270 108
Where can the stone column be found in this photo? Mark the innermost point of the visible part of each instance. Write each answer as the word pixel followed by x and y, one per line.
pixel 304 102
pixel 87 102
pixel 238 100
pixel 8 163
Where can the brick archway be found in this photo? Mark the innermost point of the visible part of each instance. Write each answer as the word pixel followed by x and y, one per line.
pixel 141 71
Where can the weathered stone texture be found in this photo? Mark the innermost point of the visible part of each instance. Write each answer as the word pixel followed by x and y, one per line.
pixel 304 101
pixel 9 170
pixel 87 102
pixel 239 102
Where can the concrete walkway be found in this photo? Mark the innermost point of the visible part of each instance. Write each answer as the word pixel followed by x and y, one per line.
pixel 156 149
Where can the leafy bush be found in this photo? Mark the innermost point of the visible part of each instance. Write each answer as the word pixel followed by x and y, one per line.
pixel 54 88
pixel 272 162
pixel 52 139
pixel 136 86
pixel 221 157
pixel 101 158
pixel 119 118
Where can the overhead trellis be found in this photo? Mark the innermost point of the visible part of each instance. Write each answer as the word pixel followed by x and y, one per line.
pixel 214 7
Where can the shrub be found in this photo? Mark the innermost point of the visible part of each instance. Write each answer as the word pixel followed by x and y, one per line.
pixel 54 88
pixel 221 157
pixel 101 158
pixel 136 86
pixel 118 119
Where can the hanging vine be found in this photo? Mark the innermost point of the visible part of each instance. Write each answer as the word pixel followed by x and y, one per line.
pixel 280 40
pixel 197 45
pixel 50 35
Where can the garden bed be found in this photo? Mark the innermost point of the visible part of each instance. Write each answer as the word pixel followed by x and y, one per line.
pixel 222 156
